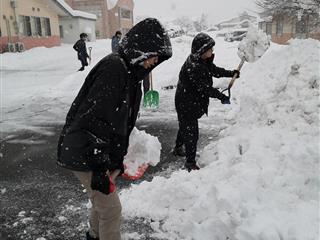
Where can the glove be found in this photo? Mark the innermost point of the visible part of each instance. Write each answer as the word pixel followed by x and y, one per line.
pixel 101 181
pixel 224 99
pixel 236 72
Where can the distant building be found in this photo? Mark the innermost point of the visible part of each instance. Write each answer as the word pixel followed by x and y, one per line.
pixel 243 21
pixel 112 15
pixel 283 27
pixel 34 23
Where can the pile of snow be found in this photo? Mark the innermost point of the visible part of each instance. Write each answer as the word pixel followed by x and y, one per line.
pixel 261 179
pixel 254 45
pixel 143 149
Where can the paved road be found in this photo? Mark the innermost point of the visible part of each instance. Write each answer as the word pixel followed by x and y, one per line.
pixel 39 199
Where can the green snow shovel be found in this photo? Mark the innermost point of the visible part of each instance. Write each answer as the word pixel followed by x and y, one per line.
pixel 151 98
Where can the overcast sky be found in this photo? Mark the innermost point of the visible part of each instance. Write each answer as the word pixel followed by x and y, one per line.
pixel 217 10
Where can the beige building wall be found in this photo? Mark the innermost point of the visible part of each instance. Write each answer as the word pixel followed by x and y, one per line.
pixel 35 8
pixel 12 27
pixel 108 21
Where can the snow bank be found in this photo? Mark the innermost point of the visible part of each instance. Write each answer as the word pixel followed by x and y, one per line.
pixel 143 149
pixel 261 179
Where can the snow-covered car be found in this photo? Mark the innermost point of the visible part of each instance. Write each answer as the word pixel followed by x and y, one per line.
pixel 237 35
pixel 175 32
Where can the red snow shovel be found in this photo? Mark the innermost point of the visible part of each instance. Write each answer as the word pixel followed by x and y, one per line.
pixel 138 174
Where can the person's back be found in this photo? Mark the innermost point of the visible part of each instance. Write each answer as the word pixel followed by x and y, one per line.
pixel 95 138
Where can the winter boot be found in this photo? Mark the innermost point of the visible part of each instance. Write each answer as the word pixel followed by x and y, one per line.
pixel 81 69
pixel 90 238
pixel 179 151
pixel 191 166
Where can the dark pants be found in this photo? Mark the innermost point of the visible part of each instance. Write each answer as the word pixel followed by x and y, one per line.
pixel 188 135
pixel 84 63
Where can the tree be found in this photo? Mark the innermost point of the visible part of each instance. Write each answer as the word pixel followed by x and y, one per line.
pixel 309 9
pixel 272 7
pixel 185 23
pixel 201 23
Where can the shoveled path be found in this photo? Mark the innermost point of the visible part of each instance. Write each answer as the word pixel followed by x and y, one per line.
pixel 39 199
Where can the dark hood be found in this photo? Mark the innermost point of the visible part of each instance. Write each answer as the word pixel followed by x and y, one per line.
pixel 146 39
pixel 200 44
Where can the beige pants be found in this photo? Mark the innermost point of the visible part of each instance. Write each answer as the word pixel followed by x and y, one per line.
pixel 105 216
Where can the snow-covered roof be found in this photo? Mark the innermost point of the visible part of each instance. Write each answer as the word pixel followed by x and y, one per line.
pixel 74 13
pixel 111 3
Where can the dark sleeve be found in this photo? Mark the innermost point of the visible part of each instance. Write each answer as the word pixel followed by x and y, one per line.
pixel 76 46
pixel 200 79
pixel 218 72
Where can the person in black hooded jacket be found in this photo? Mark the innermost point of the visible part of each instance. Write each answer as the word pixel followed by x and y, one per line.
pixel 192 95
pixel 95 137
pixel 80 47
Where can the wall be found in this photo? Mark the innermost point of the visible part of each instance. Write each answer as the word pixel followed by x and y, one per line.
pixel 115 22
pixel 72 27
pixel 289 31
pixel 28 8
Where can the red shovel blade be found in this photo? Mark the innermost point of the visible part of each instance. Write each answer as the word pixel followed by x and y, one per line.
pixel 138 174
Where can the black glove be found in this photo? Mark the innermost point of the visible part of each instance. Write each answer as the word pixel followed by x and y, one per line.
pixel 100 182
pixel 236 72
pixel 224 99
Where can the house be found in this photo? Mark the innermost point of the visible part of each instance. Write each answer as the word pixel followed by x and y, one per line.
pixel 242 21
pixel 284 26
pixel 34 23
pixel 73 22
pixel 112 15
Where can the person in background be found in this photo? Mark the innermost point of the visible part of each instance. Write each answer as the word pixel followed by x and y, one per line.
pixel 192 95
pixel 80 47
pixel 115 41
pixel 95 137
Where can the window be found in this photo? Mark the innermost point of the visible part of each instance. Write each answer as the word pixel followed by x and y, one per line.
pixel 34 26
pixel 25 24
pixel 61 31
pixel 125 13
pixel 37 31
pixel 47 26
pixel 268 28
pixel 301 26
pixel 97 33
pixel 279 26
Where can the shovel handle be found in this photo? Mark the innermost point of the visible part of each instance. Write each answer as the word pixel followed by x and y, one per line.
pixel 234 78
pixel 150 79
pixel 114 174
pixel 235 75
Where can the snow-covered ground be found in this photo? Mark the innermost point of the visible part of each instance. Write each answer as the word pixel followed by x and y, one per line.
pixel 260 180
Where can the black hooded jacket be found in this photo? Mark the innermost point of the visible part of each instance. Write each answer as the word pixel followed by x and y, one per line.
pixel 80 47
pixel 105 110
pixel 195 80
